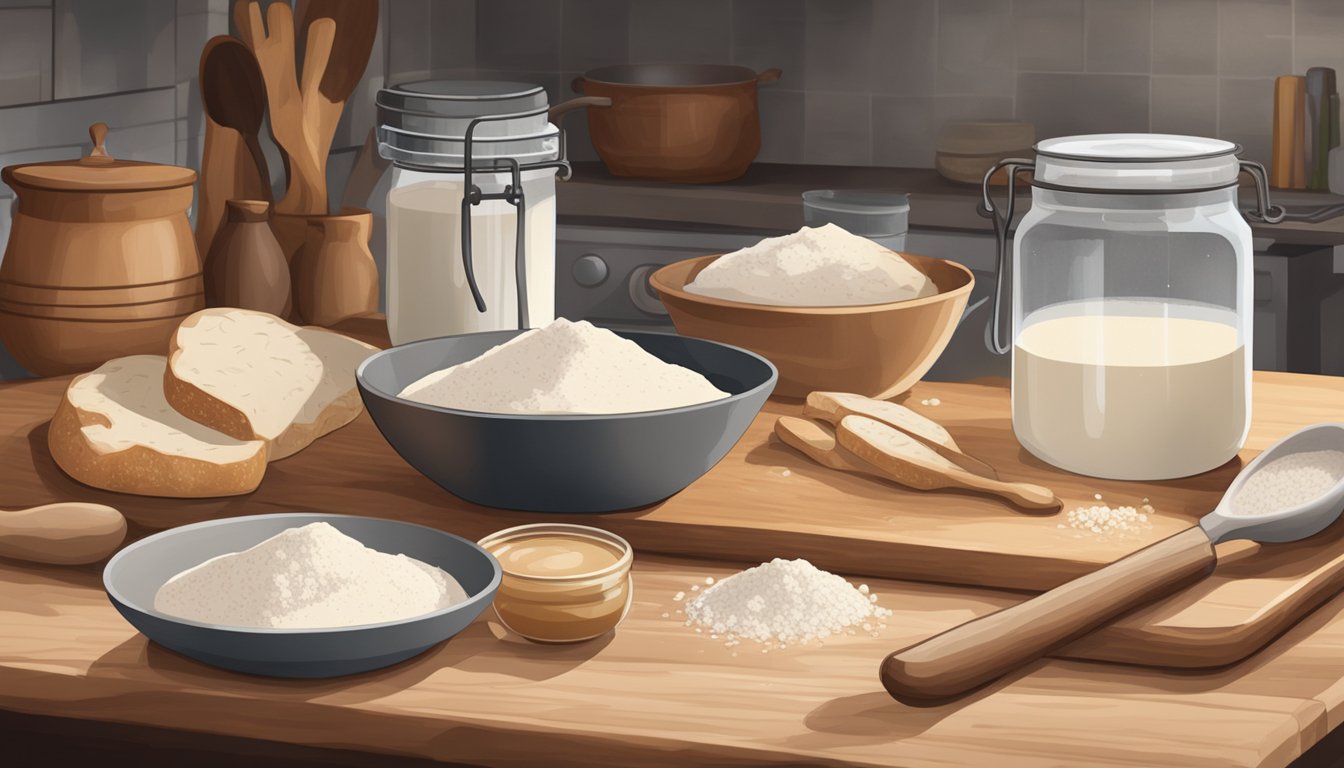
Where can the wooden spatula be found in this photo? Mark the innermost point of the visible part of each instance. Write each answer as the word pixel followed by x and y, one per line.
pixel 831 407
pixel 68 533
pixel 912 463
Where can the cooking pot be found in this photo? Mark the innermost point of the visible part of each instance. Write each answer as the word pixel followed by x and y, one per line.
pixel 690 123
pixel 100 263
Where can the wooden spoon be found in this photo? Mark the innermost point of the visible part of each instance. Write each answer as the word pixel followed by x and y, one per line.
pixel 272 43
pixel 232 163
pixel 879 454
pixel 834 406
pixel 911 463
pixel 356 26
pixel 66 533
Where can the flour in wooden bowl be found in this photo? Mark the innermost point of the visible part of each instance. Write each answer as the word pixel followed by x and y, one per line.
pixel 307 577
pixel 813 267
pixel 565 367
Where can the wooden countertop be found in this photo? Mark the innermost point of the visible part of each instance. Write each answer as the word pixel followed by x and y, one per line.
pixel 767 199
pixel 656 692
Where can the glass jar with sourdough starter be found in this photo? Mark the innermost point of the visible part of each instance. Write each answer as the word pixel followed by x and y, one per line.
pixel 1131 304
pixel 471 209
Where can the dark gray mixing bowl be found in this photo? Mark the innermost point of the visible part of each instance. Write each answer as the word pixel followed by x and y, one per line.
pixel 566 462
pixel 134 576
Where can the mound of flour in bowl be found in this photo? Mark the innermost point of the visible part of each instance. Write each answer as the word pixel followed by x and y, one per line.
pixel 813 267
pixel 308 577
pixel 565 367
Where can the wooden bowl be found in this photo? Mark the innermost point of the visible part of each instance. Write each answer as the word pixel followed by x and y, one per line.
pixel 48 346
pixel 877 350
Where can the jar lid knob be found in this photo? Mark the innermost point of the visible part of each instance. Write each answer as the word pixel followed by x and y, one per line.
pixel 98 132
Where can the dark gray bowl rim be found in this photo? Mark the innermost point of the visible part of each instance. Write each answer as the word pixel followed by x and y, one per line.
pixel 496 576
pixel 770 382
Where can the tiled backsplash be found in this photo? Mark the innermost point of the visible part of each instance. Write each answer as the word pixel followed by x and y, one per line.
pixel 874 81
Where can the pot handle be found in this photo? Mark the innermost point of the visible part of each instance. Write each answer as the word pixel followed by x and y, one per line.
pixel 558 111
pixel 769 76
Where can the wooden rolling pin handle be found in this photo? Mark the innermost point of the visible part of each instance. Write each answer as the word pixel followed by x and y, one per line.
pixel 978 652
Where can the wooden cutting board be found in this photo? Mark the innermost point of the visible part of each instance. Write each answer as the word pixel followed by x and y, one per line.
pixel 764 501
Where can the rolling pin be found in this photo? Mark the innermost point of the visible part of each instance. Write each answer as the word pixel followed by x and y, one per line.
pixel 66 533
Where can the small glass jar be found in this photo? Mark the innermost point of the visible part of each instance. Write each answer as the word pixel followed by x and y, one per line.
pixel 545 605
pixel 1131 305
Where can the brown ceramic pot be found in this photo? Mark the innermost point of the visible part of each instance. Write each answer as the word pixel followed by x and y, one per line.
pixel 691 123
pixel 246 267
pixel 334 275
pixel 96 232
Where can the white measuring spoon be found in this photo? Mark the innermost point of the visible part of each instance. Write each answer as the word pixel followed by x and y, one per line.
pixel 978 652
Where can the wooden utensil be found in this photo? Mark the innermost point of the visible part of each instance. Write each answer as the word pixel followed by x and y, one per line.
pixel 66 533
pixel 870 447
pixel 356 26
pixel 272 43
pixel 1285 123
pixel 834 406
pixel 976 653
pixel 911 463
pixel 233 166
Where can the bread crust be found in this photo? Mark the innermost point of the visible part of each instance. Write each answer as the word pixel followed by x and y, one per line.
pixel 141 470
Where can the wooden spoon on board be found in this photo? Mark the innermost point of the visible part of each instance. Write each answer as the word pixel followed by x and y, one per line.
pixel 911 463
pixel 232 164
pixel 833 406
pixel 66 533
pixel 870 447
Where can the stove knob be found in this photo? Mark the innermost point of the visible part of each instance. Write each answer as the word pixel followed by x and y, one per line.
pixel 643 295
pixel 590 270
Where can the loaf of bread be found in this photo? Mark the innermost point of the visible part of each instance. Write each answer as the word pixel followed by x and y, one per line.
pixel 115 430
pixel 254 376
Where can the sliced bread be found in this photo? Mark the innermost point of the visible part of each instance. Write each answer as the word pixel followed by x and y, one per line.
pixel 254 376
pixel 115 430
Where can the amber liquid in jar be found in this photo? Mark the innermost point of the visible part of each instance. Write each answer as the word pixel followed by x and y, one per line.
pixel 561 584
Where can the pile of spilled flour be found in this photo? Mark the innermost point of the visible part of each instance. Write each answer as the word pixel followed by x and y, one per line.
pixel 813 267
pixel 782 602
pixel 308 577
pixel 565 367
pixel 1288 482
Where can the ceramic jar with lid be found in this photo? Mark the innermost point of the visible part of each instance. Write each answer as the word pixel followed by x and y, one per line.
pixel 100 262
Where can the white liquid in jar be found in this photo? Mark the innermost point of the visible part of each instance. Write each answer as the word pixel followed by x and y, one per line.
pixel 1112 393
pixel 427 291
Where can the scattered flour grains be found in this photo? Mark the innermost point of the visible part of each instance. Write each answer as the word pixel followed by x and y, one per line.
pixel 1287 482
pixel 307 577
pixel 783 602
pixel 813 267
pixel 565 367
pixel 1104 519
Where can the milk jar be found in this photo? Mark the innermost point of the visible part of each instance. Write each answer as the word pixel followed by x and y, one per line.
pixel 471 209
pixel 1130 318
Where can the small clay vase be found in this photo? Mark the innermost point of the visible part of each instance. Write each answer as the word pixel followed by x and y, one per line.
pixel 246 267
pixel 334 274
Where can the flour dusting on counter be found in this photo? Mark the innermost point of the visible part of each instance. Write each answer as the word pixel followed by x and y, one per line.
pixel 565 367
pixel 813 267
pixel 307 577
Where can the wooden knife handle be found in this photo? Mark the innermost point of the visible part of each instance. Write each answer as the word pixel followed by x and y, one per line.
pixel 978 652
